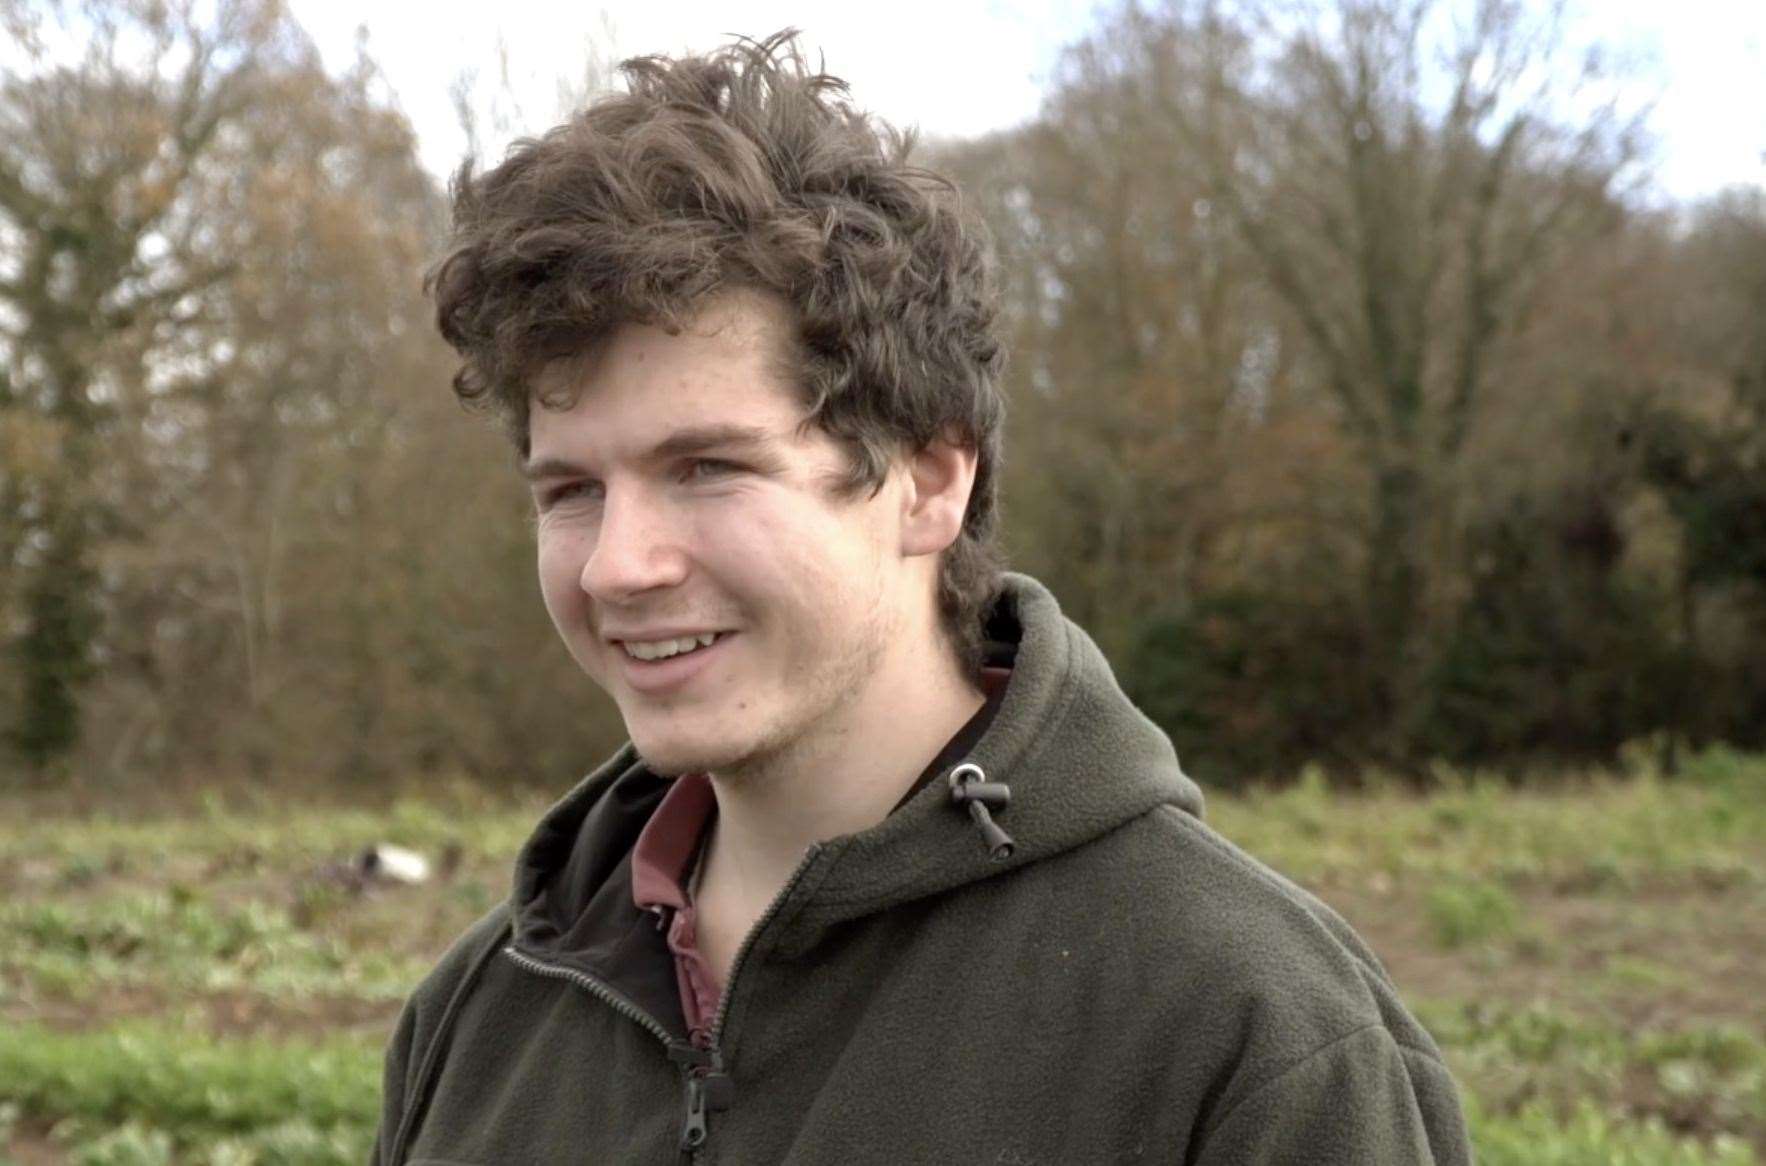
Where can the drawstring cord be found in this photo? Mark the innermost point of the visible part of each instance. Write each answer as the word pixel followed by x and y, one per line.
pixel 969 787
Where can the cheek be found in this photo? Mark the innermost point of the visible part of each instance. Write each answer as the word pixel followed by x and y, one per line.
pixel 560 572
pixel 817 574
pixel 777 557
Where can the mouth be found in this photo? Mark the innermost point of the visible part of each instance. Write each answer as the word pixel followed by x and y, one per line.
pixel 651 651
pixel 665 667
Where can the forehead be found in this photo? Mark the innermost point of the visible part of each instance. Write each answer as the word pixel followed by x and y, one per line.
pixel 732 362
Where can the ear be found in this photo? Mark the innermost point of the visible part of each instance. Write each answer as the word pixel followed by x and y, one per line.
pixel 939 480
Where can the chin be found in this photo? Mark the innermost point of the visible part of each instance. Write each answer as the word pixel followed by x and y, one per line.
pixel 671 756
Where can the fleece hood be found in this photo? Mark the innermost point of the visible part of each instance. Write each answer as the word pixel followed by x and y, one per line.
pixel 1079 759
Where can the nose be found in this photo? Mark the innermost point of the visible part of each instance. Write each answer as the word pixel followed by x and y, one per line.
pixel 637 548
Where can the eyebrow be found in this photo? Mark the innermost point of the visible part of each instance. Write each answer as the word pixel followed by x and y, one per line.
pixel 682 442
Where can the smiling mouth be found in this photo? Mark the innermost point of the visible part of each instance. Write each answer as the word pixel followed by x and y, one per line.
pixel 653 650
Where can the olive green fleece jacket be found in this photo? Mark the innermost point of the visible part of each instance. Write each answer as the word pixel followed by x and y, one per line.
pixel 1126 986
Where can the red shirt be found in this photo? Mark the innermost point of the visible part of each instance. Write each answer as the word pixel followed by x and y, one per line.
pixel 661 863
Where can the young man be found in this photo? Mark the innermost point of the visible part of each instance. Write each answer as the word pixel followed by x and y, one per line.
pixel 890 871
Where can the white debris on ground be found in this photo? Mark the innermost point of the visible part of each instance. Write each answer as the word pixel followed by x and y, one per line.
pixel 386 863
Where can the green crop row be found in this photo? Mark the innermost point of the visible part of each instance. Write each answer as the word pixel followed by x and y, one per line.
pixel 176 941
pixel 145 1093
pixel 219 839
pixel 1591 1136
pixel 1699 829
pixel 1518 1062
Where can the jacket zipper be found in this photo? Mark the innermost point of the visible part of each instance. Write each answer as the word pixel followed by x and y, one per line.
pixel 693 1131
pixel 596 988
pixel 709 1088
pixel 754 933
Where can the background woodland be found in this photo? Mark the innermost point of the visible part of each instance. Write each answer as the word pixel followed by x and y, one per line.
pixel 1366 404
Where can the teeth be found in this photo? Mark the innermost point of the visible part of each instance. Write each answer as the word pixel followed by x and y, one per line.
pixel 662 649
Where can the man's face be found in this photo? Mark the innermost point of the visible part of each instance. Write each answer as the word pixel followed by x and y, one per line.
pixel 678 500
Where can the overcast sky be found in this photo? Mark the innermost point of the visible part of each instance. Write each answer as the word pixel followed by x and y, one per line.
pixel 962 67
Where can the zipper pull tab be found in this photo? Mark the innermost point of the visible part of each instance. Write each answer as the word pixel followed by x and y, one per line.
pixel 709 1090
pixel 706 1093
pixel 694 1132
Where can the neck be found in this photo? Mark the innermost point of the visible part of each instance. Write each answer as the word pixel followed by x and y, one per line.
pixel 839 781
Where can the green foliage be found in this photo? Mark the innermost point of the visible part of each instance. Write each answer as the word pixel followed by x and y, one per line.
pixel 1721 767
pixel 196 848
pixel 1580 835
pixel 1555 653
pixel 1472 911
pixel 217 924
pixel 130 1144
pixel 292 1143
pixel 1643 975
pixel 1236 679
pixel 158 1077
pixel 1532 1067
pixel 1591 1136
pixel 174 939
pixel 53 652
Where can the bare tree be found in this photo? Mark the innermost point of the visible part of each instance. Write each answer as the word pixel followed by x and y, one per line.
pixel 98 156
pixel 1403 171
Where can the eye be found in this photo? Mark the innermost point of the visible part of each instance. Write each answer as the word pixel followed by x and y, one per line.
pixel 571 491
pixel 706 468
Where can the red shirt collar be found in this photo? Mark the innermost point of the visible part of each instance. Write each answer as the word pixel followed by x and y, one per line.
pixel 665 848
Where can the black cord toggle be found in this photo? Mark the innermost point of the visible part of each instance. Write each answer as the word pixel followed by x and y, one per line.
pixel 969 787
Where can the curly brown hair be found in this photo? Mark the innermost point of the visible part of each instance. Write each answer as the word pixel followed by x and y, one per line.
pixel 743 168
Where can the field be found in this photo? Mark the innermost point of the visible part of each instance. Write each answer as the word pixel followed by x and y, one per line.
pixel 209 987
